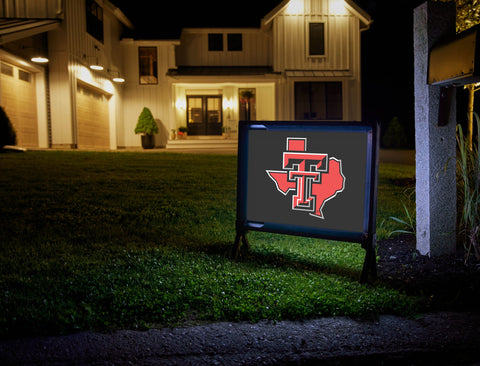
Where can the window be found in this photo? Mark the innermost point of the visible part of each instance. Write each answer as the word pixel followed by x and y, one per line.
pixel 316 45
pixel 215 42
pixel 318 101
pixel 248 106
pixel 24 75
pixel 147 65
pixel 6 69
pixel 94 20
pixel 234 41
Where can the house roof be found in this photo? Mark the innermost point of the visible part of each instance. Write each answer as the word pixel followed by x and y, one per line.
pixel 351 5
pixel 14 29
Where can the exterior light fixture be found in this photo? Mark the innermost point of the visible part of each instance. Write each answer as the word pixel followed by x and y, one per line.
pixel 96 66
pixel 116 77
pixel 40 59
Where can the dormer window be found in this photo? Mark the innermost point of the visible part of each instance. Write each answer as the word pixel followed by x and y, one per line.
pixel 316 39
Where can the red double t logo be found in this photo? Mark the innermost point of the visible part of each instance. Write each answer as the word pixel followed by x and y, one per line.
pixel 314 178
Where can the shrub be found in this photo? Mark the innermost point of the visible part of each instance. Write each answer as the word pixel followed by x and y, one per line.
pixel 8 135
pixel 146 123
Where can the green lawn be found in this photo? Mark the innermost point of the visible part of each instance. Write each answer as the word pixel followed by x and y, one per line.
pixel 132 240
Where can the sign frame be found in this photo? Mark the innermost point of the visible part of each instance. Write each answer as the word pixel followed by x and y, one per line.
pixel 366 236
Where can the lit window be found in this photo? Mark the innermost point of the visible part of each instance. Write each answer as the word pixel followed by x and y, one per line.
pixel 316 39
pixel 147 65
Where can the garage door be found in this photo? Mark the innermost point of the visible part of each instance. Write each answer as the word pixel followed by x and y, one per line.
pixel 18 99
pixel 92 119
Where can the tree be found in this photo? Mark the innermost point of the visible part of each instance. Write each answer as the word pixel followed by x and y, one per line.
pixel 468 15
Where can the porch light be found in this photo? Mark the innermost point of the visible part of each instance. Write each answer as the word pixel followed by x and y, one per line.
pixel 181 104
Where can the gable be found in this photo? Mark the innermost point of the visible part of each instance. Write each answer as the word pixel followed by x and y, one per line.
pixel 324 6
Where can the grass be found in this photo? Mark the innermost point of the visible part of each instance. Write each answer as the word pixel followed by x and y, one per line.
pixel 100 241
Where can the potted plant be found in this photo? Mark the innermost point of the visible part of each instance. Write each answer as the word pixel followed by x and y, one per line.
pixel 148 127
pixel 182 132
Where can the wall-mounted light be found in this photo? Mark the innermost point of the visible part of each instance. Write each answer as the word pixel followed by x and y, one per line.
pixel 36 48
pixel 181 104
pixel 40 59
pixel 228 105
pixel 116 77
pixel 95 65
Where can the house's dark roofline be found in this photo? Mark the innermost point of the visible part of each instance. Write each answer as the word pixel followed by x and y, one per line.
pixel 14 29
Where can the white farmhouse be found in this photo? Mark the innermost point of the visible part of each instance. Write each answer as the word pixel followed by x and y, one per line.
pixel 303 63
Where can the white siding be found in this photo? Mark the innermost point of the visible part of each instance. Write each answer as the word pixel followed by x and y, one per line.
pixel 291 33
pixel 342 53
pixel 156 97
pixel 72 50
pixel 193 48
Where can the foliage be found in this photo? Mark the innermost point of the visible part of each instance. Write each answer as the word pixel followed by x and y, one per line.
pixel 395 136
pixel 146 123
pixel 395 198
pixel 8 135
pixel 468 13
pixel 468 170
pixel 409 221
pixel 132 240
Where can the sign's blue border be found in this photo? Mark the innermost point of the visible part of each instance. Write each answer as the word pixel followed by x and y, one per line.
pixel 367 235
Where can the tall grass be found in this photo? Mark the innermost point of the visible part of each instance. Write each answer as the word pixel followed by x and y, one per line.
pixel 468 170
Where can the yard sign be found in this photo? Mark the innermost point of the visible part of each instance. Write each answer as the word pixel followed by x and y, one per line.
pixel 315 179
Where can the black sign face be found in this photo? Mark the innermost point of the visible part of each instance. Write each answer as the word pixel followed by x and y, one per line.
pixel 307 178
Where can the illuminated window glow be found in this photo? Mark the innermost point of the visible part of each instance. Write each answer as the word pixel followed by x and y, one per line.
pixel 337 7
pixel 294 7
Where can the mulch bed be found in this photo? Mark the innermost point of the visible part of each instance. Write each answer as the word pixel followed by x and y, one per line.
pixel 446 282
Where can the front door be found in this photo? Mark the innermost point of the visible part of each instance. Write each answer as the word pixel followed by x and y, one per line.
pixel 204 115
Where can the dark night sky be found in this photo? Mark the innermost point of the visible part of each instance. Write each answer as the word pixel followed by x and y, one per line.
pixel 387 47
